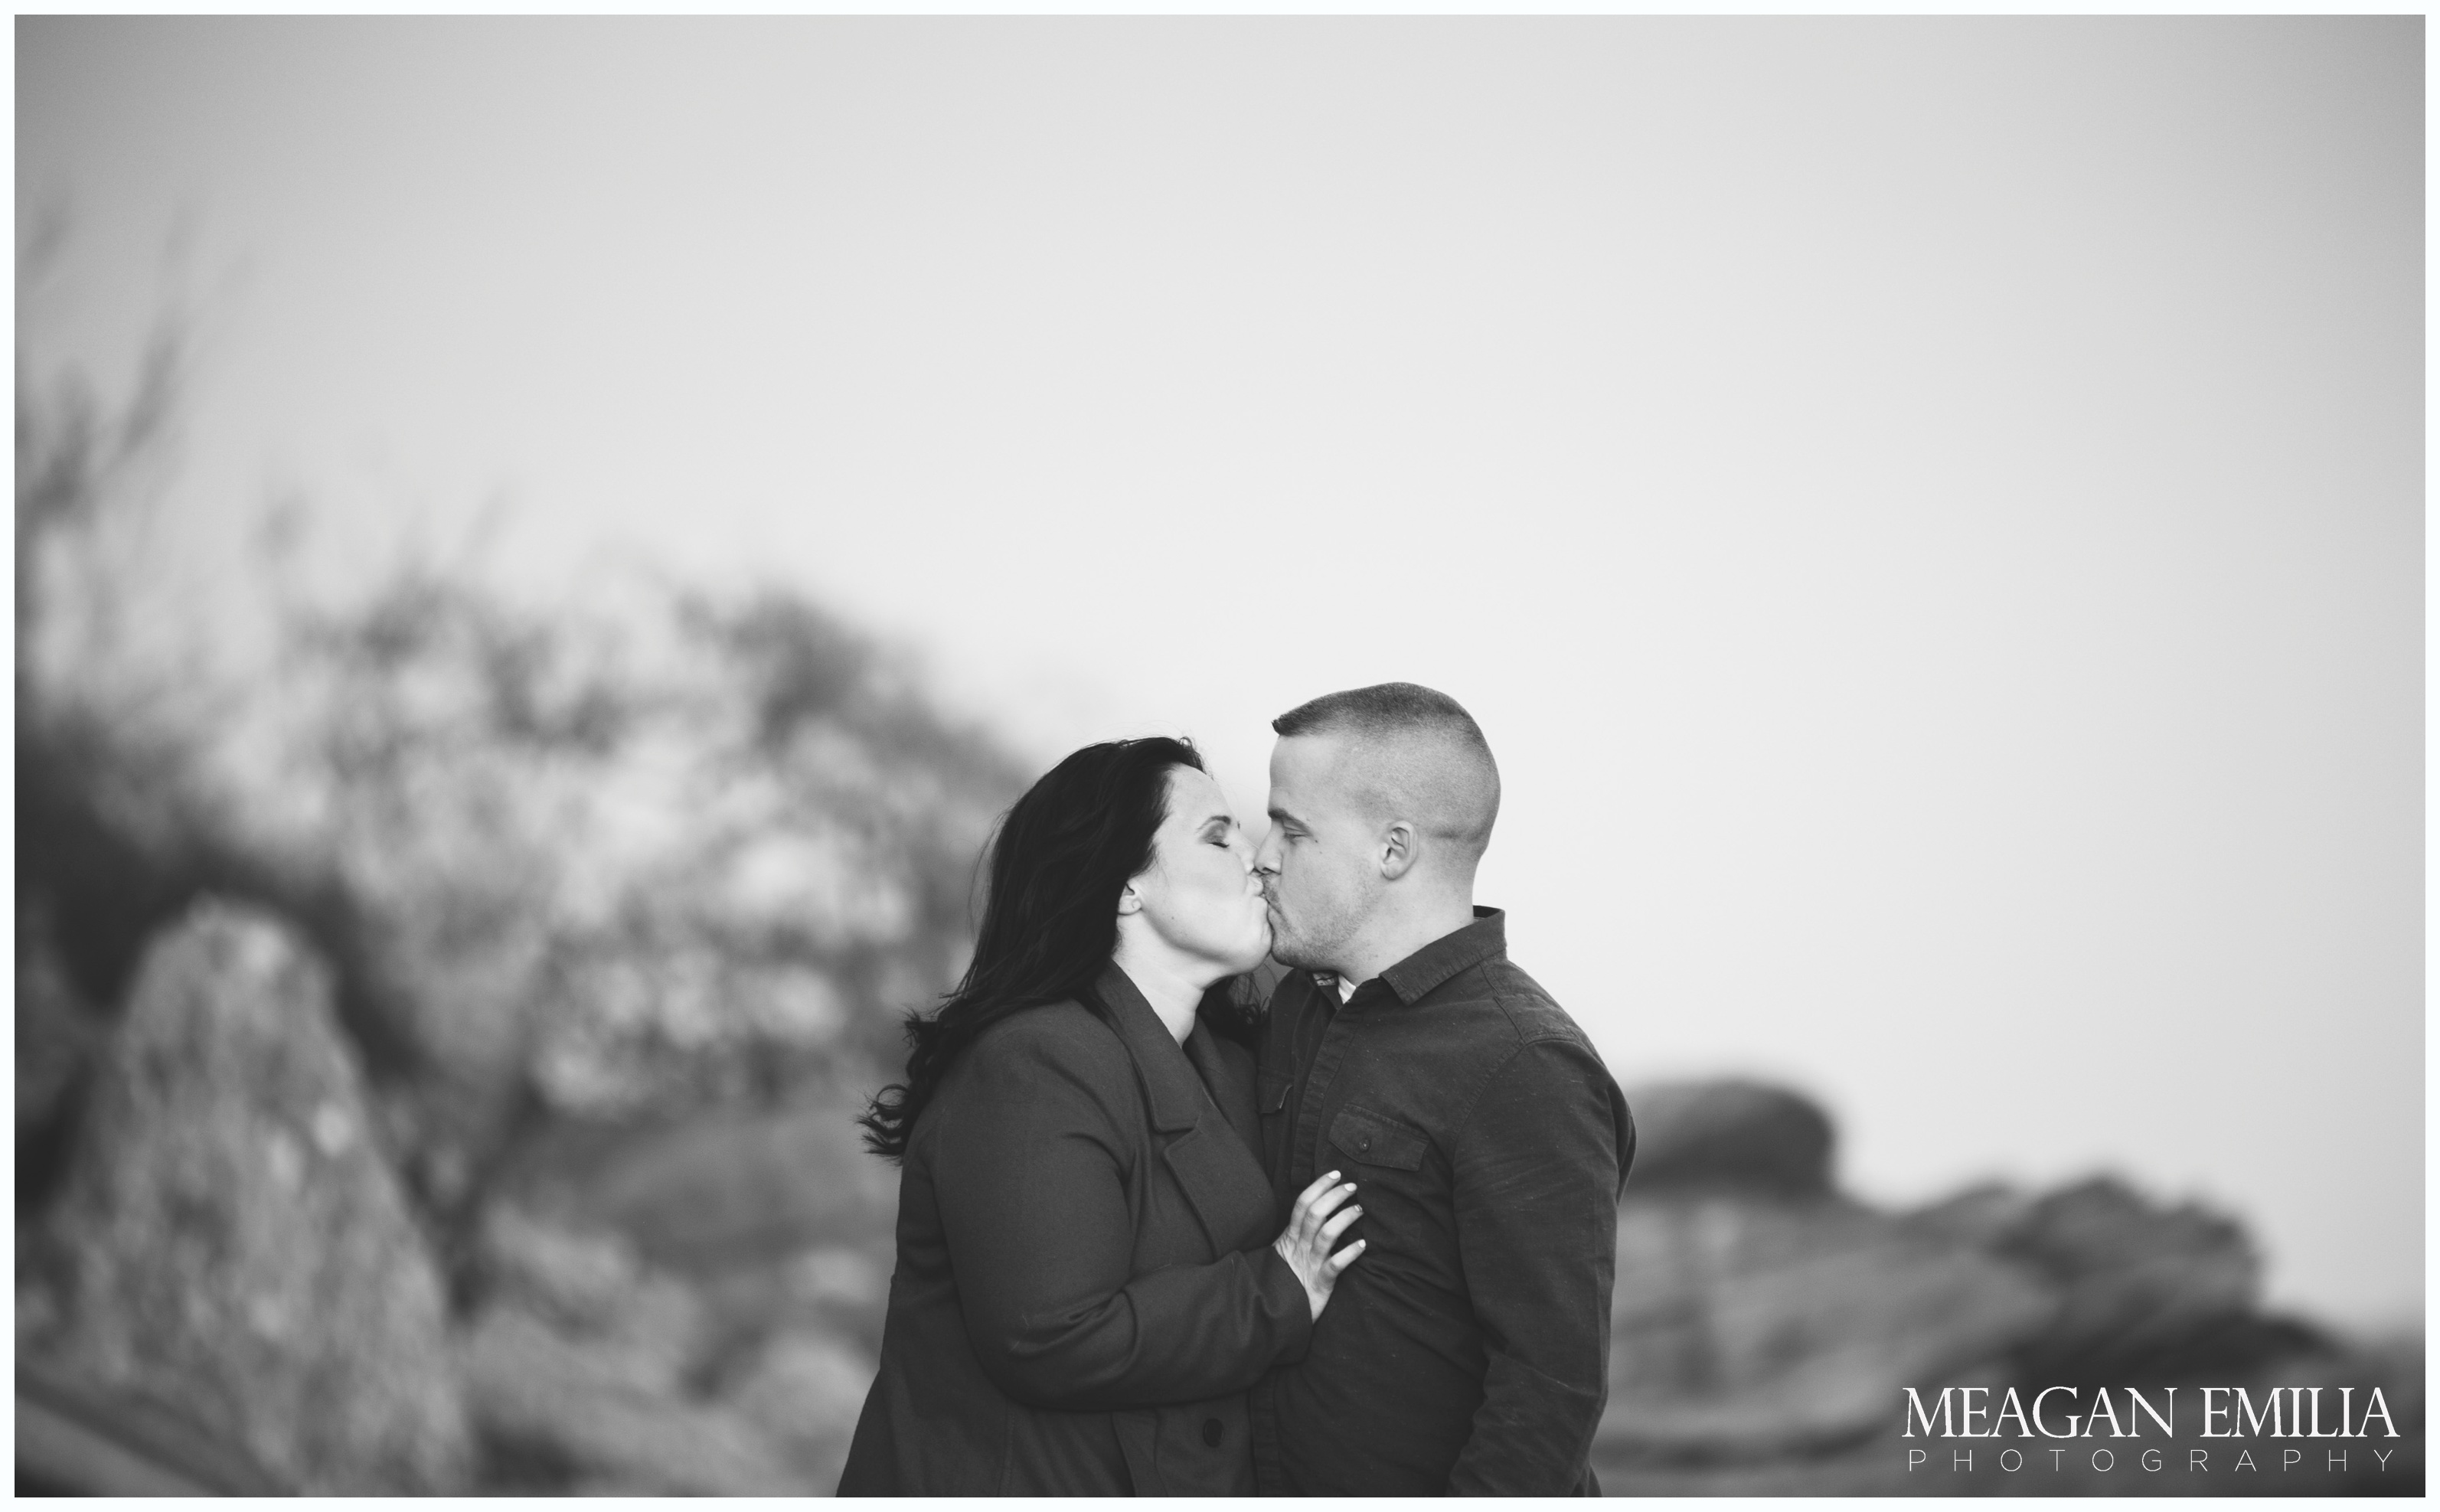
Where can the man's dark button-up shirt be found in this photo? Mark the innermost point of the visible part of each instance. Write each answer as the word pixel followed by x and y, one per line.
pixel 1468 1349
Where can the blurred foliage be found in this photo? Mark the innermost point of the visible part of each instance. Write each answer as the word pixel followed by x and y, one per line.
pixel 599 865
pixel 614 871
pixel 620 905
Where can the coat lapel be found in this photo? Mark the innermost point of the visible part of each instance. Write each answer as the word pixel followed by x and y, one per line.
pixel 1227 1075
pixel 1211 1161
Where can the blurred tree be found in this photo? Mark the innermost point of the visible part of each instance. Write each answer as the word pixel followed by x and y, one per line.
pixel 618 870
pixel 604 866
pixel 114 832
pixel 99 842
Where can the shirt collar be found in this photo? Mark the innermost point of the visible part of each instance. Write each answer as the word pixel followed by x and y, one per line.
pixel 1456 951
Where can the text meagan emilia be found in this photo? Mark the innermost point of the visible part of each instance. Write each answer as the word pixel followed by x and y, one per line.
pixel 2228 1412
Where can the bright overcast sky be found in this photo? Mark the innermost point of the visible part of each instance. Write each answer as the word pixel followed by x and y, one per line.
pixel 1928 512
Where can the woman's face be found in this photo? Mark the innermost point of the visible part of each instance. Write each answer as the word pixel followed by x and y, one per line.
pixel 1200 894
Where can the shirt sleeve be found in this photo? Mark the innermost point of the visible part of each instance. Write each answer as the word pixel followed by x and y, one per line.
pixel 1537 1178
pixel 1030 1177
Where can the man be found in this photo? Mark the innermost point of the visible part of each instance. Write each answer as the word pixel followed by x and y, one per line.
pixel 1468 1350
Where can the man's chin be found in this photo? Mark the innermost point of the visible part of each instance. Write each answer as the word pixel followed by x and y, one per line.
pixel 1286 948
pixel 1292 954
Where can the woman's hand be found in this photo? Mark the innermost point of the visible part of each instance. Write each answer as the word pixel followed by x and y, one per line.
pixel 1311 1230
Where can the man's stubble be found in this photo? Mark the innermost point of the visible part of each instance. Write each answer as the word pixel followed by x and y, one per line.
pixel 1315 937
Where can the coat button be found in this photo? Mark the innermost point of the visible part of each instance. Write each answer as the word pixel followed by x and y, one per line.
pixel 1212 1431
pixel 1364 1144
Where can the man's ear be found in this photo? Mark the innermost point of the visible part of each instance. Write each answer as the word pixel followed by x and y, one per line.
pixel 1398 850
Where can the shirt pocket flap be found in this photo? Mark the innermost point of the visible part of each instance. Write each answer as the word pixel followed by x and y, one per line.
pixel 1375 1141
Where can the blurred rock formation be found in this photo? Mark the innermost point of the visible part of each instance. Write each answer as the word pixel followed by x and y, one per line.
pixel 2145 1290
pixel 589 1367
pixel 1752 1329
pixel 1734 1136
pixel 1764 1325
pixel 232 1245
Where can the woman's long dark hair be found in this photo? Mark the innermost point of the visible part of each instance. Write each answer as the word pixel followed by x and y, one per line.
pixel 1051 920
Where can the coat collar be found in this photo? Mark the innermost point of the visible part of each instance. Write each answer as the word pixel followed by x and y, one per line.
pixel 1208 1154
pixel 1173 1091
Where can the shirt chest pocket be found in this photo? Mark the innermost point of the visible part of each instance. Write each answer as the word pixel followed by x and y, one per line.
pixel 1369 1139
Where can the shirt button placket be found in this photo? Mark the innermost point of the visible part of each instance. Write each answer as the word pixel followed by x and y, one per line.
pixel 1335 1038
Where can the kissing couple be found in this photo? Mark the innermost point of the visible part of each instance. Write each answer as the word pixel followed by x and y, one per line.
pixel 1158 1237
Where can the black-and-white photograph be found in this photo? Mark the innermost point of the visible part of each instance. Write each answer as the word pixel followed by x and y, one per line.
pixel 1220 755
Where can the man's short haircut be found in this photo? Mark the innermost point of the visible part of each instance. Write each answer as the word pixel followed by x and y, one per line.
pixel 1431 759
pixel 1384 709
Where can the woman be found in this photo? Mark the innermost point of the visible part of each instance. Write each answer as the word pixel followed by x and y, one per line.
pixel 1088 1277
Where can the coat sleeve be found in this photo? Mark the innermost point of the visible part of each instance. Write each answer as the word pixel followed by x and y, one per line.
pixel 1030 1172
pixel 1537 1178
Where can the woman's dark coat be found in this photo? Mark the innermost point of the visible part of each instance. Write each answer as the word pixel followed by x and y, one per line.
pixel 1086 1285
